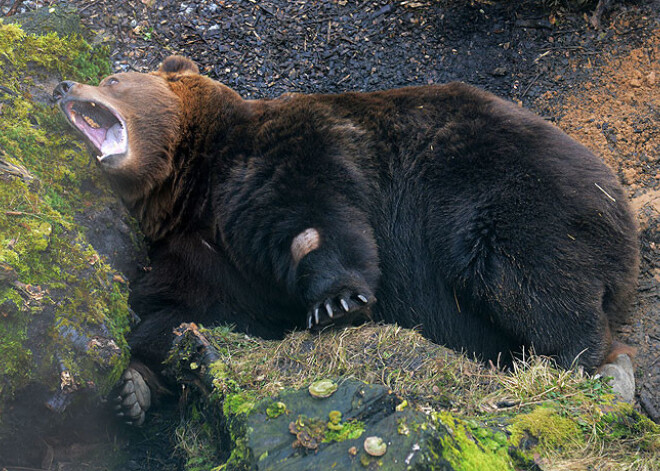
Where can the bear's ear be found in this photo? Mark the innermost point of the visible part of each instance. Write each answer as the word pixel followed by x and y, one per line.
pixel 178 65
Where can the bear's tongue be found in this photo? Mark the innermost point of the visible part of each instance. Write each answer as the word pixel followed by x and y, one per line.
pixel 96 135
pixel 113 141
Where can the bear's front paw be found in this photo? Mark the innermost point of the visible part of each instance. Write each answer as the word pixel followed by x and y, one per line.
pixel 134 398
pixel 340 308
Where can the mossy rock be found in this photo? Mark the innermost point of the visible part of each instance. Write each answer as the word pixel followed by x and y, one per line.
pixel 412 438
pixel 433 408
pixel 63 304
pixel 305 436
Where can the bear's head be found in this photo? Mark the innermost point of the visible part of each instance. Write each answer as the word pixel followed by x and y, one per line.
pixel 132 121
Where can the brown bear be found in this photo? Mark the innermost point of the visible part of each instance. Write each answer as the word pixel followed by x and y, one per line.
pixel 437 206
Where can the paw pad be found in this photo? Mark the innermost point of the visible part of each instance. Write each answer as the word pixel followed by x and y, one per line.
pixel 134 398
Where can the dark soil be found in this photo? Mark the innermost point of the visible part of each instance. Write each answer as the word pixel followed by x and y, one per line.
pixel 599 85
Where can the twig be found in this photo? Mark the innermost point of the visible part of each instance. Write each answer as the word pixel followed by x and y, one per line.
pixel 606 193
pixel 7 90
pixel 15 170
pixel 541 56
pixel 22 468
pixel 343 79
pixel 530 85
pixel 90 4
pixel 261 7
pixel 572 48
pixel 34 215
pixel 653 363
pixel 456 299
pixel 14 8
pixel 598 13
pixel 631 30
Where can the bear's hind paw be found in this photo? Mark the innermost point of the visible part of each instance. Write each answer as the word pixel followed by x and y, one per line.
pixel 622 374
pixel 344 306
pixel 134 398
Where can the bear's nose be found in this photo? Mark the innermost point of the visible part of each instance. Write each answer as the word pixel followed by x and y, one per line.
pixel 62 89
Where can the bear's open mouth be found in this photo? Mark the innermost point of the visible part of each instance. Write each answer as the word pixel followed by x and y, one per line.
pixel 104 128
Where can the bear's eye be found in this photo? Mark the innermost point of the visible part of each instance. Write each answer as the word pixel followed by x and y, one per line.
pixel 111 81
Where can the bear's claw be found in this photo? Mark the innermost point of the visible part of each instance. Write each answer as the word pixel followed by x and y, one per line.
pixel 134 398
pixel 327 311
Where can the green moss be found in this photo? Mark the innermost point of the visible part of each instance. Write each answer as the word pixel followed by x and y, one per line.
pixel 236 406
pixel 349 430
pixel 546 425
pixel 71 56
pixel 276 409
pixel 467 452
pixel 623 422
pixel 60 281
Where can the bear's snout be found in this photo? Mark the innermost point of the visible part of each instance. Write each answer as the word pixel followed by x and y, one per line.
pixel 62 89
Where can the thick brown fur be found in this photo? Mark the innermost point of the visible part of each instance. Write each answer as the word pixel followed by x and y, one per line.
pixel 440 206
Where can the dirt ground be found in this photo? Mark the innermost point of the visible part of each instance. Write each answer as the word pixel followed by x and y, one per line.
pixel 602 86
pixel 616 113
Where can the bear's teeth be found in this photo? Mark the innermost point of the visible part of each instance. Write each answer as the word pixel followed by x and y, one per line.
pixel 91 122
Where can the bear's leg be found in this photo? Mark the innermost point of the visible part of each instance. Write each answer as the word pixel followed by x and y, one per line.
pixel 568 321
pixel 140 385
pixel 556 315
pixel 618 363
pixel 583 339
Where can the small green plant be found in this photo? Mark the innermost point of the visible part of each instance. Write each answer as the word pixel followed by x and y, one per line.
pixel 146 34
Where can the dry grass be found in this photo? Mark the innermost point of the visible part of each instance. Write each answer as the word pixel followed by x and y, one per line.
pixel 597 455
pixel 398 358
pixel 534 379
